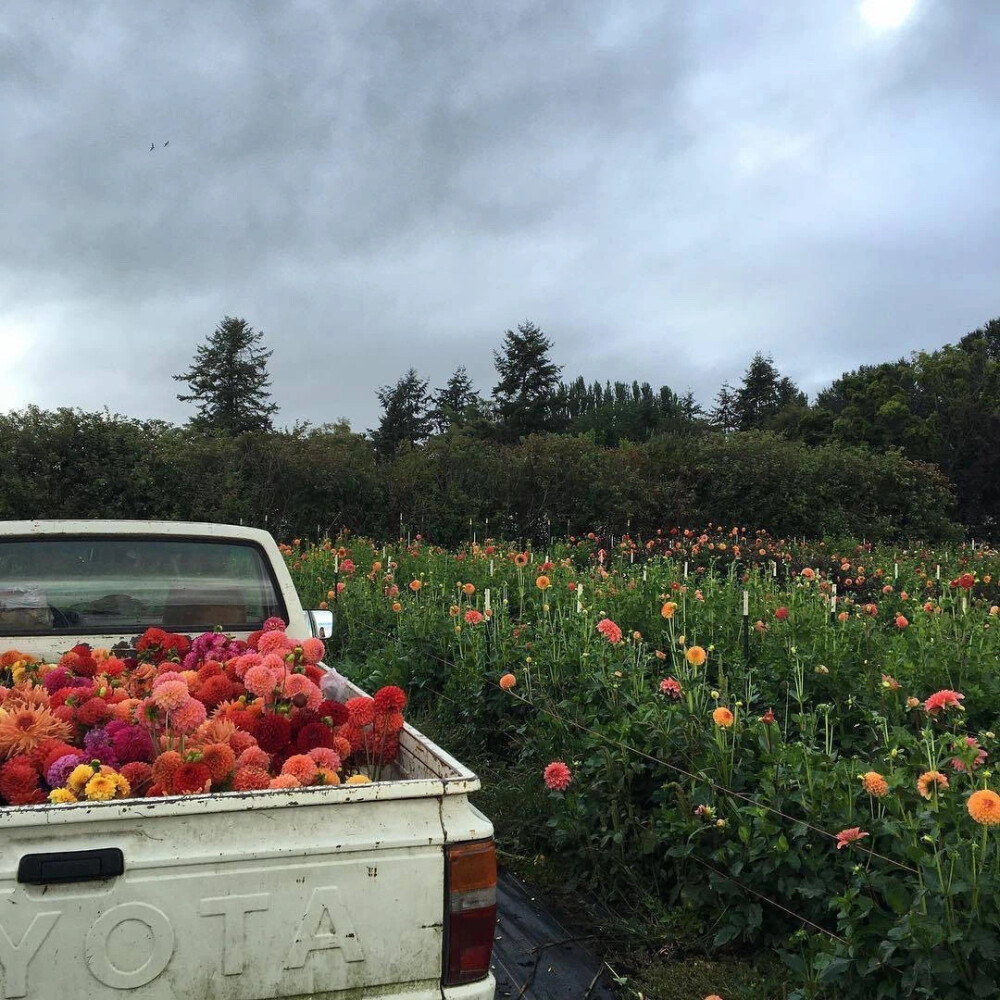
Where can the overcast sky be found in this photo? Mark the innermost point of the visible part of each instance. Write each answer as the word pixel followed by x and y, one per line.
pixel 663 187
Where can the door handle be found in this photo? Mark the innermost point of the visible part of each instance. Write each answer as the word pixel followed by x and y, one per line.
pixel 71 866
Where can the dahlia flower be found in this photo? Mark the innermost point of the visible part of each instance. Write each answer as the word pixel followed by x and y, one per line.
pixel 930 780
pixel 361 711
pixel 22 729
pixel 219 759
pixel 313 650
pixel 191 778
pixel 671 686
pixel 850 836
pixel 943 700
pixel 188 717
pixel 874 784
pixel 557 776
pixel 696 656
pixel 390 699
pixel 984 807
pixel 723 717
pixel 610 631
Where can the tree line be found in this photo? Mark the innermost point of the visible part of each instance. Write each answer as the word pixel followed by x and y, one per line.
pixel 902 449
pixel 939 407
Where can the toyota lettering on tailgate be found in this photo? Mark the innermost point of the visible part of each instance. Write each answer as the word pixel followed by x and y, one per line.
pixel 325 925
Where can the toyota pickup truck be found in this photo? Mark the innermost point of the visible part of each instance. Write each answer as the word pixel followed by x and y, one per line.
pixel 343 892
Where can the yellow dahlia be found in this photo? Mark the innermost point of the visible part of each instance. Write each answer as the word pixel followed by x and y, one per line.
pixel 78 778
pixel 100 788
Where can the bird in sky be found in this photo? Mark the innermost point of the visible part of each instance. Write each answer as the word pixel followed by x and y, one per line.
pixel 152 146
pixel 167 143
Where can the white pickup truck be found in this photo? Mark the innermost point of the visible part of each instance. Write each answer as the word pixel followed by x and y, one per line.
pixel 318 893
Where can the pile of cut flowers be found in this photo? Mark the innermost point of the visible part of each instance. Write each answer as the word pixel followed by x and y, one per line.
pixel 177 716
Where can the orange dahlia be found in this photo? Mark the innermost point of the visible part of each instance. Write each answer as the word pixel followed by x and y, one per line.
pixel 723 718
pixel 929 780
pixel 875 784
pixel 696 656
pixel 22 729
pixel 984 807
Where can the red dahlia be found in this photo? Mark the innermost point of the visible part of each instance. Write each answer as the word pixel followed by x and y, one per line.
pixel 315 734
pixel 390 699
pixel 191 778
pixel 273 733
pixel 361 711
pixel 137 774
pixel 19 782
pixel 334 711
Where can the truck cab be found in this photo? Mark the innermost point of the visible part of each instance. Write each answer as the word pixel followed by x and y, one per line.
pixel 345 892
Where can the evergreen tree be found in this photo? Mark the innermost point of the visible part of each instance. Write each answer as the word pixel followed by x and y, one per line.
pixel 690 407
pixel 723 415
pixel 457 404
pixel 229 381
pixel 763 394
pixel 527 393
pixel 405 414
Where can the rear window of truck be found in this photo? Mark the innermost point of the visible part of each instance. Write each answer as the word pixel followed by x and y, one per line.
pixel 122 586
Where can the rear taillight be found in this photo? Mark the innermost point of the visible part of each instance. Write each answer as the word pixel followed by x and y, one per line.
pixel 471 898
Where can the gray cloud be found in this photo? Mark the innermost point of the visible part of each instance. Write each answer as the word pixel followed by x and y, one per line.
pixel 663 187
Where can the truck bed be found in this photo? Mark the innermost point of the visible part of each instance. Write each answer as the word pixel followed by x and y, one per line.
pixel 319 892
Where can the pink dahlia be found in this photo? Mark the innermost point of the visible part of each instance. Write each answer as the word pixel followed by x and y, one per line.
pixel 259 680
pixel 850 836
pixel 171 695
pixel 273 642
pixel 670 686
pixel 557 776
pixel 188 717
pixel 312 650
pixel 299 684
pixel 325 757
pixel 610 631
pixel 942 700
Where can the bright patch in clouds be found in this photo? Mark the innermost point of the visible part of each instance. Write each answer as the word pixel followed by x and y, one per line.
pixel 886 14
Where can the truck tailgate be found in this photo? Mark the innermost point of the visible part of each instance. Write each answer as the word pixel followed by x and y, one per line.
pixel 300 893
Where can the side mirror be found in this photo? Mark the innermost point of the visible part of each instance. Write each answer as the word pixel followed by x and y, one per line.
pixel 320 623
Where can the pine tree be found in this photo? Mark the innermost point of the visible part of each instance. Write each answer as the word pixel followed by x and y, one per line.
pixel 405 414
pixel 526 395
pixel 723 416
pixel 457 403
pixel 763 394
pixel 229 381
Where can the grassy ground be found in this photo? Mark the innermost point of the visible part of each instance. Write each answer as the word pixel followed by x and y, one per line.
pixel 649 953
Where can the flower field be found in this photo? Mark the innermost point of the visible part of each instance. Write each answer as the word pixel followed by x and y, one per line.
pixel 761 745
